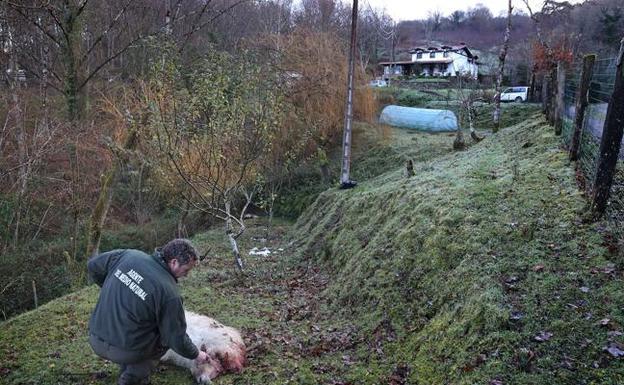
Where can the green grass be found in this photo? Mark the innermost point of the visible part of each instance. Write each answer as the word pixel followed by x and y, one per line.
pixel 455 254
pixel 443 278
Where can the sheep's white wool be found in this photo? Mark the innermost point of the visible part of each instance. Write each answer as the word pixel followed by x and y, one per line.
pixel 222 343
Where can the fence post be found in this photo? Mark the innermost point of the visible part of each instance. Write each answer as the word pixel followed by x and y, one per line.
pixel 559 106
pixel 553 96
pixel 34 288
pixel 545 94
pixel 611 141
pixel 581 104
pixel 532 87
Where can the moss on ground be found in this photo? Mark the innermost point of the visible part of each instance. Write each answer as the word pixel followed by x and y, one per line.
pixel 449 277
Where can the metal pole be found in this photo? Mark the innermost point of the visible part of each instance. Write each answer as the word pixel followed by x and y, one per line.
pixel 345 181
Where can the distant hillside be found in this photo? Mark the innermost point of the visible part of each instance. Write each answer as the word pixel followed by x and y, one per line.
pixel 588 27
pixel 483 33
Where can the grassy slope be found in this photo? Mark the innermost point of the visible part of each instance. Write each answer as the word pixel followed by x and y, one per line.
pixel 443 278
pixel 471 259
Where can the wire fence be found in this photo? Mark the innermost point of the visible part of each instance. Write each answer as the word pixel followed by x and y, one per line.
pixel 600 90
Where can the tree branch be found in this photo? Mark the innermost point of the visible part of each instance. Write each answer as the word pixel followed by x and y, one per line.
pixel 106 61
pixel 105 32
pixel 39 26
pixel 219 14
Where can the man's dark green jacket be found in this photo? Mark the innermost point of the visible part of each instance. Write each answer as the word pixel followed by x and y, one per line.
pixel 140 308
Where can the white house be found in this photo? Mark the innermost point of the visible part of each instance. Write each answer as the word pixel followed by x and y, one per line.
pixel 435 61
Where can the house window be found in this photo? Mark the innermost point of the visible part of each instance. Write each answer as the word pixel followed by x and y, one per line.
pixel 445 54
pixel 432 55
pixel 419 55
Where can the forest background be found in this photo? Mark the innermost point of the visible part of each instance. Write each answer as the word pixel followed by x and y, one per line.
pixel 129 122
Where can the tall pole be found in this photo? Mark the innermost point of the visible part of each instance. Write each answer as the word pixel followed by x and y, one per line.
pixel 345 182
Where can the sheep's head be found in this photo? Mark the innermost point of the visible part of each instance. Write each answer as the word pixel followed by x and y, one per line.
pixel 234 359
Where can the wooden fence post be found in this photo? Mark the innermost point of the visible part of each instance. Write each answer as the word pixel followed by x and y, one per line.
pixel 35 298
pixel 545 94
pixel 582 101
pixel 553 96
pixel 532 87
pixel 611 141
pixel 559 106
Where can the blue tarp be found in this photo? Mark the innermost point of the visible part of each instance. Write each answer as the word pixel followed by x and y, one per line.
pixel 419 118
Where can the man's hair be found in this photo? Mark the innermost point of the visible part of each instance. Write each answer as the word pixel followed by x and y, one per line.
pixel 180 249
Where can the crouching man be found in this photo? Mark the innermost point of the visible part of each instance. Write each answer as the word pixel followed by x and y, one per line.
pixel 139 314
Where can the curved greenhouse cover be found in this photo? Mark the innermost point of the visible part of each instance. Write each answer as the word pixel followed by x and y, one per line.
pixel 419 118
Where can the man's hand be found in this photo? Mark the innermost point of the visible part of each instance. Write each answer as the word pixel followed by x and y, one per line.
pixel 202 358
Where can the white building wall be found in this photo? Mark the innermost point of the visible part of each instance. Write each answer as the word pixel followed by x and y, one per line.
pixel 460 63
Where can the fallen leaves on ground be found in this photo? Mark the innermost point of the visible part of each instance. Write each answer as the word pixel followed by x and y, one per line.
pixel 615 350
pixel 543 336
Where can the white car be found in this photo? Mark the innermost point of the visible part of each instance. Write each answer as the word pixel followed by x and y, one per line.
pixel 514 94
pixel 378 83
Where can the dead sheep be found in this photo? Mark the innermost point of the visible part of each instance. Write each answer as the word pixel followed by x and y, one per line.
pixel 224 346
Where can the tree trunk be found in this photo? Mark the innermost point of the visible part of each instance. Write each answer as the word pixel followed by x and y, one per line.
pixel 501 67
pixel 323 162
pixel 581 104
pixel 229 231
pixel 271 210
pixel 69 52
pixel 44 89
pixel 100 211
pixel 98 216
pixel 22 158
pixel 181 231
pixel 473 133
pixel 75 197
pixel 21 142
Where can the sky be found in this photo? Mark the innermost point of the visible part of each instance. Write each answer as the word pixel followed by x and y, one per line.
pixel 413 9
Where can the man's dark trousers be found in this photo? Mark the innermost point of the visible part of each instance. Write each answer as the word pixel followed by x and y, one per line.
pixel 135 369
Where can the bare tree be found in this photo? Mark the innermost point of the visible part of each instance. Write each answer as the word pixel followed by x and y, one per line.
pixel 85 36
pixel 469 96
pixel 501 67
pixel 30 142
pixel 212 135
pixel 434 22
pixel 374 27
pixel 323 16
pixel 108 182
